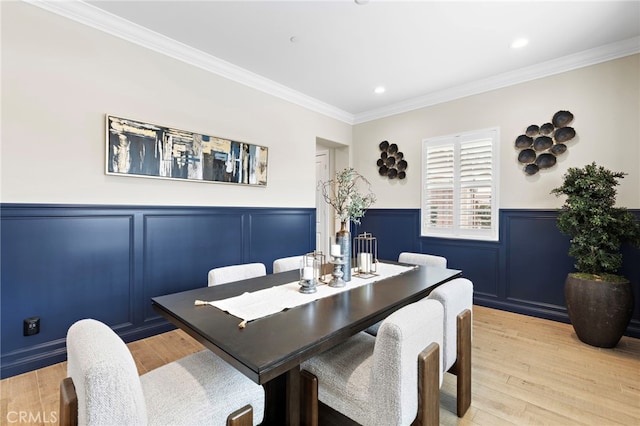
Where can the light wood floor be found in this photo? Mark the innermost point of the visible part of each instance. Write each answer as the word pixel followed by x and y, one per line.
pixel 526 371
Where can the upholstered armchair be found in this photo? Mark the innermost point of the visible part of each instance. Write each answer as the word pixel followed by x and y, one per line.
pixel 390 379
pixel 226 274
pixel 103 387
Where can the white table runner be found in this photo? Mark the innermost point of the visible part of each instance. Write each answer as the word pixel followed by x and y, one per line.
pixel 262 303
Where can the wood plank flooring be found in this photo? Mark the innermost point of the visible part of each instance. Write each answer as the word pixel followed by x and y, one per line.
pixel 526 371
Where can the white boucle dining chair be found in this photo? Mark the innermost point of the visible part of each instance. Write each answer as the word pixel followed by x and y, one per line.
pixel 422 259
pixel 103 387
pixel 390 379
pixel 226 274
pixel 286 264
pixel 456 296
pixel 414 259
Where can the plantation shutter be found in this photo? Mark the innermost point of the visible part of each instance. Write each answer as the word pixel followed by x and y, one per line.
pixel 459 186
pixel 439 188
pixel 476 177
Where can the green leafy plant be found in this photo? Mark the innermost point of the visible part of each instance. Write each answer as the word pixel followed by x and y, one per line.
pixel 344 194
pixel 597 228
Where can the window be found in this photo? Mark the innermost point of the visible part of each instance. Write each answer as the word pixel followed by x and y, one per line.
pixel 460 186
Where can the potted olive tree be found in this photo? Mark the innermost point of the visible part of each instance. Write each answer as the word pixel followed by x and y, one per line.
pixel 599 301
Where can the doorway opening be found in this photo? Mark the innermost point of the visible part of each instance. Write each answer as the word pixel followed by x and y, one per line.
pixel 330 156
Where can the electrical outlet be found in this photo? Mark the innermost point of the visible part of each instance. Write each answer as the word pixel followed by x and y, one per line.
pixel 31 326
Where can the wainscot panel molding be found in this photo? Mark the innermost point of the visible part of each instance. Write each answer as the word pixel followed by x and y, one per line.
pixel 63 263
pixel 523 272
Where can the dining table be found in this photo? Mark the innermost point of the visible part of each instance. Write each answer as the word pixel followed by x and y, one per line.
pixel 269 350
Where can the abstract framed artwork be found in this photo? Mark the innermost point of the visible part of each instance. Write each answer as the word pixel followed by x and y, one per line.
pixel 139 149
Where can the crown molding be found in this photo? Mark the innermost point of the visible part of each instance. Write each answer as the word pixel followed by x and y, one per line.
pixel 99 19
pixel 556 66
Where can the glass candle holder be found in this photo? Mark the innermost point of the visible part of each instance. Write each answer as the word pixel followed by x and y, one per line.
pixel 309 272
pixel 365 253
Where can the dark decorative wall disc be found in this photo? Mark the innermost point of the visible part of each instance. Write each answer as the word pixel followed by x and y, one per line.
pixel 540 146
pixel 564 134
pixel 531 169
pixel 562 118
pixel 527 156
pixel 546 129
pixel 542 142
pixel 524 141
pixel 533 130
pixel 546 160
pixel 391 163
pixel 558 149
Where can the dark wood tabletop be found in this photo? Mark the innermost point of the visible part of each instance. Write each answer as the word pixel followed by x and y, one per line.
pixel 269 350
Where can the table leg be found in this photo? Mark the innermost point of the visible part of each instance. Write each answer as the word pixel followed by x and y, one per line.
pixel 293 396
pixel 283 399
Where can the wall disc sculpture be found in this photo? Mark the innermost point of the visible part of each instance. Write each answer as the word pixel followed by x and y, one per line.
pixel 540 145
pixel 391 162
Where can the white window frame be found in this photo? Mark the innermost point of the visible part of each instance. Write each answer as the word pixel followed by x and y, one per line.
pixel 456 231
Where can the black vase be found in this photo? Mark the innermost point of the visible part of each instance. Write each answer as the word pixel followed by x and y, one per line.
pixel 343 238
pixel 599 311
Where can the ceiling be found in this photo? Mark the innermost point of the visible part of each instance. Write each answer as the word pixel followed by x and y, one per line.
pixel 333 54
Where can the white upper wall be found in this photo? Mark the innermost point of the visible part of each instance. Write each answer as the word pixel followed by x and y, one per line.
pixel 60 78
pixel 605 101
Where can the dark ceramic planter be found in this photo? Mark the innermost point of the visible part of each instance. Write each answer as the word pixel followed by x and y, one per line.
pixel 599 311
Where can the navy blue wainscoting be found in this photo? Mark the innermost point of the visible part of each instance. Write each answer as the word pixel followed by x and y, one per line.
pixel 523 272
pixel 63 263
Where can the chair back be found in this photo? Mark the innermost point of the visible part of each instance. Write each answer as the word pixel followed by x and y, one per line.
pixel 455 296
pixel 394 374
pixel 226 274
pixel 105 376
pixel 286 264
pixel 422 259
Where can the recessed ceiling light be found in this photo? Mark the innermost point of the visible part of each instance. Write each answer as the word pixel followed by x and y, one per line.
pixel 293 39
pixel 378 90
pixel 361 2
pixel 519 43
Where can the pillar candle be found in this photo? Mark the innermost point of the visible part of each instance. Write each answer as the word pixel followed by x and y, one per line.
pixel 307 273
pixel 364 262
